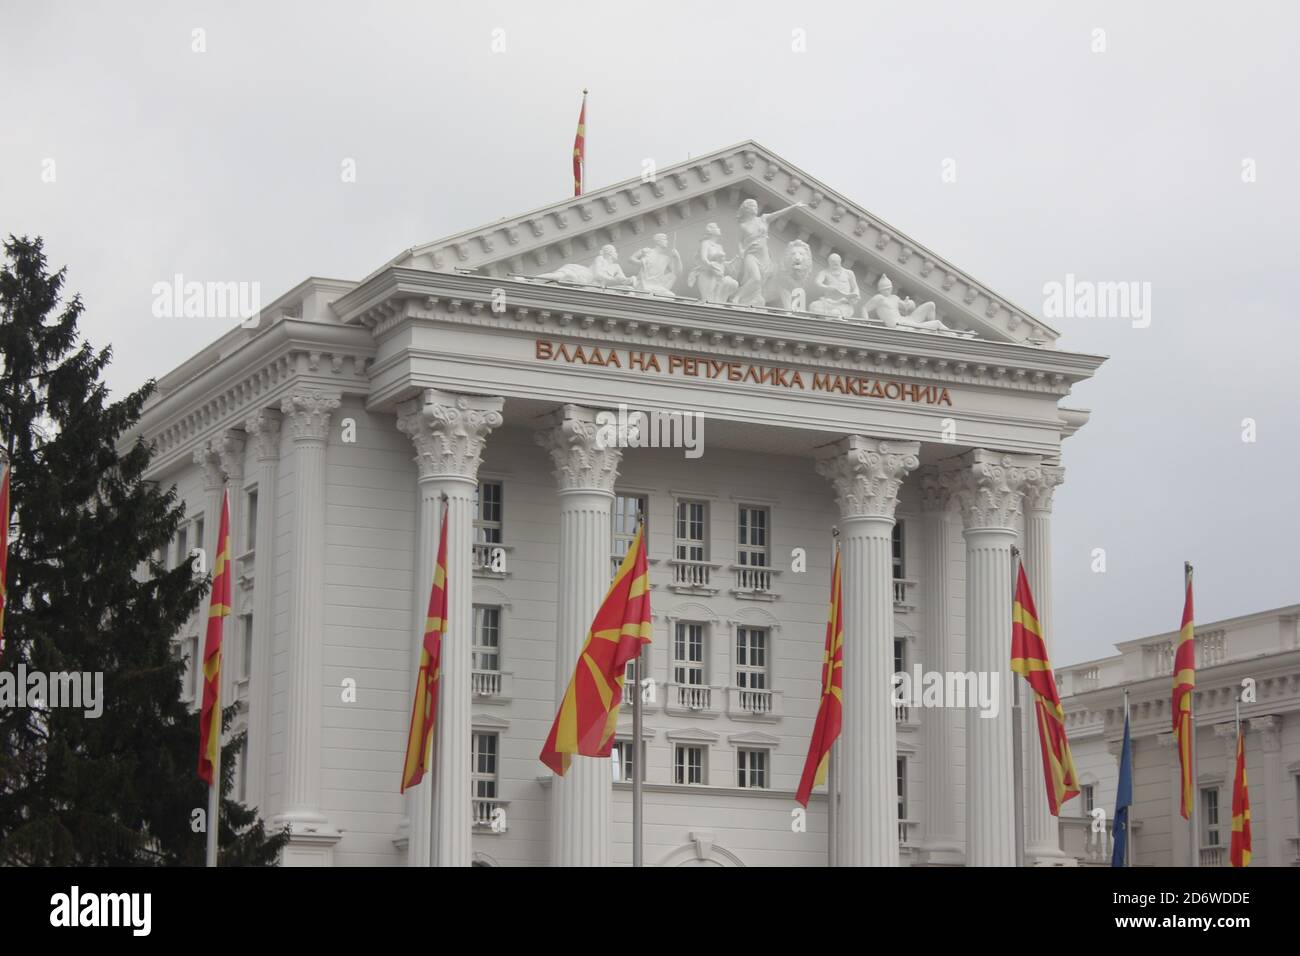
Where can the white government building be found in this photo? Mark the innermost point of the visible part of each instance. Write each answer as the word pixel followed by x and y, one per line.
pixel 733 285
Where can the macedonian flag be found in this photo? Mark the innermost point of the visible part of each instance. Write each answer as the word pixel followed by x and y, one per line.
pixel 580 148
pixel 830 712
pixel 1029 659
pixel 425 708
pixel 218 610
pixel 1184 684
pixel 589 710
pixel 4 551
pixel 1239 852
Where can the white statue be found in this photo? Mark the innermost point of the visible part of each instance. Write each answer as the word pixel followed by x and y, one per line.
pixel 660 267
pixel 895 312
pixel 755 259
pixel 839 290
pixel 604 272
pixel 788 278
pixel 710 274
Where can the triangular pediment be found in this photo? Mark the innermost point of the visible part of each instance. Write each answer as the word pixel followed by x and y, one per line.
pixel 564 240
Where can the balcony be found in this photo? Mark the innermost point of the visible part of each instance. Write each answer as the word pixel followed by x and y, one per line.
pixel 748 703
pixel 690 700
pixel 1214 856
pixel 904 594
pixel 490 560
pixel 491 687
pixel 490 814
pixel 693 577
pixel 649 696
pixel 754 583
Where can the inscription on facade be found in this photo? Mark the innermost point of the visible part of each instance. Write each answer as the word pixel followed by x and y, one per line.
pixel 730 370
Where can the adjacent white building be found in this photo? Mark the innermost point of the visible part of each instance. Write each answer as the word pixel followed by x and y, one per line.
pixel 1256 655
pixel 474 367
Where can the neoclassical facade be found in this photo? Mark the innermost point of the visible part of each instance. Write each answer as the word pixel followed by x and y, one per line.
pixel 840 375
pixel 1255 656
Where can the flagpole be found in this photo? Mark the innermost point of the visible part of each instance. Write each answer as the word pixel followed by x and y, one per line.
pixel 1017 751
pixel 435 780
pixel 637 789
pixel 214 789
pixel 1191 733
pixel 832 767
pixel 1128 828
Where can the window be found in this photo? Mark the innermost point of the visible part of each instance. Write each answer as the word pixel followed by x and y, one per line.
pixel 751 657
pixel 688 764
pixel 751 537
pixel 182 545
pixel 487 513
pixel 902 787
pixel 900 655
pixel 1210 817
pixel 898 551
pixel 627 509
pixel 188 651
pixel 1086 797
pixel 246 648
pixel 622 759
pixel 688 654
pixel 250 529
pixel 198 532
pixel 483 766
pixel 689 541
pixel 486 650
pixel 751 768
pixel 243 772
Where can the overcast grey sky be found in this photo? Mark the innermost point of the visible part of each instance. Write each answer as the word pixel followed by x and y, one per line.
pixel 1122 165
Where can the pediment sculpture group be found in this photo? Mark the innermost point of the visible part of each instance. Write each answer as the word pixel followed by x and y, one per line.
pixel 752 277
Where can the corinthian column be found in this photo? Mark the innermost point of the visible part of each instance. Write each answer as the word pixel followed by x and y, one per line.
pixel 307 419
pixel 585 471
pixel 989 489
pixel 939 725
pixel 1270 738
pixel 263 431
pixel 1042 830
pixel 866 474
pixel 448 432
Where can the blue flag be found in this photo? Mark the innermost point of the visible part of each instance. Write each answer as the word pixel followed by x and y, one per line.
pixel 1123 799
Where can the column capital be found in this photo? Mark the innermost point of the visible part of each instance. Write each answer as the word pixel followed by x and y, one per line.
pixel 867 473
pixel 990 487
pixel 1269 728
pixel 307 414
pixel 1040 488
pixel 582 459
pixel 263 430
pixel 449 431
pixel 229 448
pixel 1226 730
pixel 209 461
pixel 937 488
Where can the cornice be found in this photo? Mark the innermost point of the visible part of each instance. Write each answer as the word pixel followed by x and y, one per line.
pixel 397 296
pixel 744 169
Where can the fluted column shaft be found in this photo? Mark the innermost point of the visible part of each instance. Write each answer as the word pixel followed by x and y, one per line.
pixel 1270 738
pixel 229 449
pixel 1042 830
pixel 989 489
pixel 585 471
pixel 938 726
pixel 263 431
pixel 307 419
pixel 449 432
pixel 867 474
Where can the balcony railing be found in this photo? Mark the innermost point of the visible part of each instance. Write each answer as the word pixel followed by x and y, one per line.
pixel 903 599
pixel 486 817
pixel 693 575
pixel 753 703
pixel 484 559
pixel 901 713
pixel 485 683
pixel 906 834
pixel 690 699
pixel 1214 856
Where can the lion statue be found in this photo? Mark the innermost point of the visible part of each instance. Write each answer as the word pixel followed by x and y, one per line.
pixel 793 271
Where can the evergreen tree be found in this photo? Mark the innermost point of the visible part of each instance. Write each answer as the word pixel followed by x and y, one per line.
pixel 87 593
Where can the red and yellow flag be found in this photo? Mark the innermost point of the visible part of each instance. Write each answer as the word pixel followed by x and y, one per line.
pixel 4 552
pixel 1184 684
pixel 218 609
pixel 580 148
pixel 1239 852
pixel 589 711
pixel 1029 659
pixel 425 708
pixel 830 713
